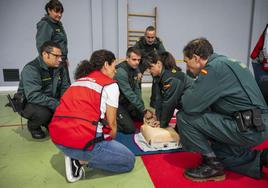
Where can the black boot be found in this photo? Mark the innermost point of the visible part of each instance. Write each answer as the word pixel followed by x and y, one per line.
pixel 209 169
pixel 38 134
pixel 264 158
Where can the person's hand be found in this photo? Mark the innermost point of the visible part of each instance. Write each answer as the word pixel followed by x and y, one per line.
pixel 139 76
pixel 148 114
pixel 113 133
pixel 155 124
pixel 150 119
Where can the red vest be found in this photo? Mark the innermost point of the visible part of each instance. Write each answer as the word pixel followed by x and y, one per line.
pixel 76 119
pixel 258 49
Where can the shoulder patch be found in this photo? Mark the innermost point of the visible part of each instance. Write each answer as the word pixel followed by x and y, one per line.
pixel 166 86
pixel 204 71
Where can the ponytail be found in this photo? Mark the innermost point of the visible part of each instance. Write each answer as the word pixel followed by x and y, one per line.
pixel 96 62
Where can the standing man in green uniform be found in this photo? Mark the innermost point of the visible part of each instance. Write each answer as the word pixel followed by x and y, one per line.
pixel 224 115
pixel 50 28
pixel 42 84
pixel 147 44
pixel 131 105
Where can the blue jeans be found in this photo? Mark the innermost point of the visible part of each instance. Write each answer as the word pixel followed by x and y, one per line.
pixel 106 155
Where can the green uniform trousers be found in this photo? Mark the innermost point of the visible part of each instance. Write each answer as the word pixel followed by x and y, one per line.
pixel 126 117
pixel 215 133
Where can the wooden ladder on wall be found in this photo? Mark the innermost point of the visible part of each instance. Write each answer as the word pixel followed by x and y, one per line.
pixel 133 34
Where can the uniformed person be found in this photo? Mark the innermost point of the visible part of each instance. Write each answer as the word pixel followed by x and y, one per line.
pixel 42 84
pixel 170 86
pixel 147 44
pixel 131 106
pixel 50 28
pixel 224 115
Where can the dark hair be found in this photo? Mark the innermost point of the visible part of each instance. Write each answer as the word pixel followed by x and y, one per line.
pixel 200 47
pixel 133 50
pixel 166 58
pixel 168 61
pixel 96 62
pixel 48 46
pixel 150 28
pixel 54 5
pixel 153 57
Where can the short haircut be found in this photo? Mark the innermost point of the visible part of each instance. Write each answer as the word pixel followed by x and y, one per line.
pixel 48 46
pixel 54 5
pixel 133 50
pixel 150 28
pixel 200 47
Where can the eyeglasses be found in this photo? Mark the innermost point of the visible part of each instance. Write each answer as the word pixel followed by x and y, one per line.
pixel 57 56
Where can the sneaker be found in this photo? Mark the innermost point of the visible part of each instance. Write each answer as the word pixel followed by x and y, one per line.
pixel 74 170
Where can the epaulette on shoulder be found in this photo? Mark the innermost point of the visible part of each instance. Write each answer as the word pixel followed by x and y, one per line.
pixel 169 73
pixel 166 86
pixel 204 71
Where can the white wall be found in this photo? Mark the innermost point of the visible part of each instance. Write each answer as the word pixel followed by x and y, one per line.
pixel 225 23
pixel 94 24
pixel 18 28
pixel 17 46
pixel 78 25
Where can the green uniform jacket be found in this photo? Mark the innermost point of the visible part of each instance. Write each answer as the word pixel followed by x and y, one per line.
pixel 157 46
pixel 217 88
pixel 130 92
pixel 171 86
pixel 49 29
pixel 39 87
pixel 145 48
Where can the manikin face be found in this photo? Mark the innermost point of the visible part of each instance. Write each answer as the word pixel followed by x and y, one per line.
pixel 150 37
pixel 55 15
pixel 133 60
pixel 155 69
pixel 53 58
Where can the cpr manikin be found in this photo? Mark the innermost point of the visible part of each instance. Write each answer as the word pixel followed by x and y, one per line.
pixel 158 137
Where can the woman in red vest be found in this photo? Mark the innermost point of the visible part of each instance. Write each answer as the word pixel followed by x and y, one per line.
pixel 84 124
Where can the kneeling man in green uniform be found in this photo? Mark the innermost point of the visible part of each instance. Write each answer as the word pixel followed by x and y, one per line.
pixel 131 106
pixel 224 115
pixel 43 82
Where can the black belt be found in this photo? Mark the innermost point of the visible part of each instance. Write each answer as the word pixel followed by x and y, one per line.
pixel 249 119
